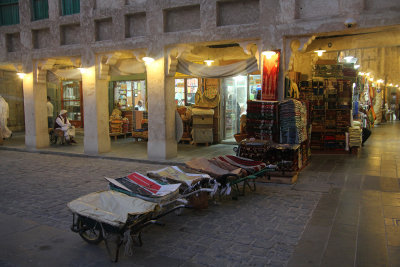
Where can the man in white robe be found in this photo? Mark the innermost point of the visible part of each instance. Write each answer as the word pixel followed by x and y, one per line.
pixel 63 123
pixel 4 114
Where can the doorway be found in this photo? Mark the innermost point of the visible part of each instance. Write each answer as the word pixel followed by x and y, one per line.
pixel 234 104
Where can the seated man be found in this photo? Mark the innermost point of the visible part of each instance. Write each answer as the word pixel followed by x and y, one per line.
pixel 63 123
pixel 140 106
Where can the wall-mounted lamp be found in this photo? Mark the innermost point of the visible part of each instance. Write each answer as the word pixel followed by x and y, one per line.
pixel 147 60
pixel 320 52
pixel 21 75
pixel 82 70
pixel 268 54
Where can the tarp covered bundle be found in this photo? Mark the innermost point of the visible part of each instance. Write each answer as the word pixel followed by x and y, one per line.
pixel 176 174
pixel 110 207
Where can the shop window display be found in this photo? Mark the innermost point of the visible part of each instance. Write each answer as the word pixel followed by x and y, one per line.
pixel 130 99
pixel 235 95
pixel 71 100
pixel 128 94
pixel 185 91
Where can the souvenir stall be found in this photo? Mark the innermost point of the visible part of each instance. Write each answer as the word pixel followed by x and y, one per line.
pixel 275 132
pixel 330 93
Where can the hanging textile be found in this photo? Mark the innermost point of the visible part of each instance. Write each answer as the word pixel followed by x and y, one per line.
pixel 270 77
pixel 68 74
pixel 204 71
pixel 127 67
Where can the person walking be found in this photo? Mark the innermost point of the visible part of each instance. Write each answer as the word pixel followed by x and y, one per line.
pixel 50 110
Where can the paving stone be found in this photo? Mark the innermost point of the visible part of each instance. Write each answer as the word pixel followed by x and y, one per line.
pixel 230 229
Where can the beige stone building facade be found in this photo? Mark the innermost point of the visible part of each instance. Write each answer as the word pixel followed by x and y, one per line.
pixel 102 36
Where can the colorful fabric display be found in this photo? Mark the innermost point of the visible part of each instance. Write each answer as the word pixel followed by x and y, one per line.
pixel 292 121
pixel 261 119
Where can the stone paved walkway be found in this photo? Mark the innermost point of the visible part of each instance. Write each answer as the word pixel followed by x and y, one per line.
pixel 358 222
pixel 344 211
pixel 260 228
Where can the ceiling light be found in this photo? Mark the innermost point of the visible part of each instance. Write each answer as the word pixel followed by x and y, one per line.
pixel 268 54
pixel 320 52
pixel 390 84
pixel 209 62
pixel 82 70
pixel 371 79
pixel 356 66
pixel 361 73
pixel 348 59
pixel 367 74
pixel 147 59
pixel 397 85
pixel 380 81
pixel 21 75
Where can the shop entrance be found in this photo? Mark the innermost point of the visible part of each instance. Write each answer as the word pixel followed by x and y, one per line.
pixel 130 98
pixel 234 104
pixel 235 92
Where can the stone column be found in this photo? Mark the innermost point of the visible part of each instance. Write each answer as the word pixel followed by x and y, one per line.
pixel 95 110
pixel 36 131
pixel 161 108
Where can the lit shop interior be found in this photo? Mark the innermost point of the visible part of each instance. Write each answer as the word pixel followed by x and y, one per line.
pixel 350 82
pixel 210 108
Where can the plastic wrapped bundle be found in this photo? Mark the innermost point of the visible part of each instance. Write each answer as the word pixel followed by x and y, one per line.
pixel 355 136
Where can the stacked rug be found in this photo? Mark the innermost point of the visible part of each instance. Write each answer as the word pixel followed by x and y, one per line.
pixel 355 136
pixel 261 119
pixel 292 121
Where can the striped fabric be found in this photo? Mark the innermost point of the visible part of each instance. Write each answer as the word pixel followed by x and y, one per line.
pixel 144 182
pixel 246 164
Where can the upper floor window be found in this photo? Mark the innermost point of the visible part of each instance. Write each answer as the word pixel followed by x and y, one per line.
pixel 9 12
pixel 40 9
pixel 69 7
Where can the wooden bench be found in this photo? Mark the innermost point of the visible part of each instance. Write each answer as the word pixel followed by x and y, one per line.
pixel 118 134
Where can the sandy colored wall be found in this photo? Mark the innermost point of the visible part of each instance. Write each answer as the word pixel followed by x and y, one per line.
pixel 11 90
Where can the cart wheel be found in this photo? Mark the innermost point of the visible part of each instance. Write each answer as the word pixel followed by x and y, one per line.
pixel 90 230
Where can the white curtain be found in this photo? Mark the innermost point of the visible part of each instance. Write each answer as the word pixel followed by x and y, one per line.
pixel 204 71
pixel 127 67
